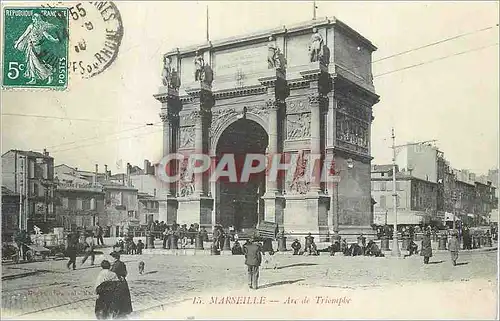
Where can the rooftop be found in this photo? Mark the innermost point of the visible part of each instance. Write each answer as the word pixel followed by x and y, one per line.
pixel 264 34
pixel 29 153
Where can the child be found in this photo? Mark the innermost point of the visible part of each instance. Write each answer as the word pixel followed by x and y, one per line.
pixel 268 260
pixel 454 247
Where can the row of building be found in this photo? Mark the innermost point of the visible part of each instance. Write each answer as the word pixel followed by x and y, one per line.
pixel 35 192
pixel 430 191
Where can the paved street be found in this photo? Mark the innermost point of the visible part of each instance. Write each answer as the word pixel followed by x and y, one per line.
pixel 171 283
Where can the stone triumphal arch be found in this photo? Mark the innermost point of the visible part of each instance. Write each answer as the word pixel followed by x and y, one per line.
pixel 297 90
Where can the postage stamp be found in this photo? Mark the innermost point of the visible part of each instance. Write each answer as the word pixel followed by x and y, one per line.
pixel 35 50
pixel 96 34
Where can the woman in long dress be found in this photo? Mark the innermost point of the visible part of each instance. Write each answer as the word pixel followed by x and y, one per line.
pixel 30 42
pixel 106 289
pixel 123 300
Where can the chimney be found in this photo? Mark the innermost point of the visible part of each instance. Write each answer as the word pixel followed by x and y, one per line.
pixel 95 174
pixel 129 167
pixel 45 152
pixel 146 167
pixel 106 172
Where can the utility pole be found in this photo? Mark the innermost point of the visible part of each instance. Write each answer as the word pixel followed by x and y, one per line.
pixel 208 34
pixel 314 10
pixel 21 195
pixel 395 242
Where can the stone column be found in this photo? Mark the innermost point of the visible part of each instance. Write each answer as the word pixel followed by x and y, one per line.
pixel 169 115
pixel 315 101
pixel 198 149
pixel 276 94
pixel 198 207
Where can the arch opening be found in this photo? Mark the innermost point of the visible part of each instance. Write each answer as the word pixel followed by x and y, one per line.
pixel 239 203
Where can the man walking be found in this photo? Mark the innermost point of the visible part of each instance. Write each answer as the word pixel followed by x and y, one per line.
pixel 253 258
pixel 99 235
pixel 454 247
pixel 71 250
pixel 426 249
pixel 89 250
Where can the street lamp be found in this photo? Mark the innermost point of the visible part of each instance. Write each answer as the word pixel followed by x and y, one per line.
pixel 395 243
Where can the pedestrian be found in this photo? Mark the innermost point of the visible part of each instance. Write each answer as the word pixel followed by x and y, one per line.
pixel 124 302
pixel 268 260
pixel 253 259
pixel 192 233
pixel 296 247
pixel 140 247
pixel 426 249
pixel 106 288
pixel 237 249
pixel 99 235
pixel 89 250
pixel 454 247
pixel 71 250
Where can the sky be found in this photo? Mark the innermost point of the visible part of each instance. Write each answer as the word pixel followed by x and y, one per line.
pixel 454 100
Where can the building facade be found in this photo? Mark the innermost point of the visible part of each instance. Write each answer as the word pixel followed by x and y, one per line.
pixel 10 214
pixel 79 203
pixel 416 198
pixel 301 90
pixel 31 174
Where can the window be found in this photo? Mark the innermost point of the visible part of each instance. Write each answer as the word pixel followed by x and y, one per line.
pixel 382 201
pixel 382 174
pixel 399 186
pixel 72 203
pixel 376 186
pixel 86 204
pixel 383 186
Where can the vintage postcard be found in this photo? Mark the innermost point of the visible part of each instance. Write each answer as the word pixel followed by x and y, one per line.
pixel 249 160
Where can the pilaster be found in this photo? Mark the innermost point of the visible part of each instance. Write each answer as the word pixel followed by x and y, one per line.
pixel 277 91
pixel 196 206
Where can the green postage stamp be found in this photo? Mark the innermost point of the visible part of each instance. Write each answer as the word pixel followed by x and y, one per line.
pixel 35 48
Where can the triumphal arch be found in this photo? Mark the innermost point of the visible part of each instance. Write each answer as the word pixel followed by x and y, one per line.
pixel 298 90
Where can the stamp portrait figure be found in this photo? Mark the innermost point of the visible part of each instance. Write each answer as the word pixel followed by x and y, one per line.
pixel 30 42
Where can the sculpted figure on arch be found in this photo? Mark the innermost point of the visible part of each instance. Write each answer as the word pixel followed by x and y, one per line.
pixel 169 76
pixel 316 47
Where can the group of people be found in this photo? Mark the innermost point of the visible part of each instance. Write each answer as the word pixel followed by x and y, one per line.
pixel 74 245
pixel 453 246
pixel 173 234
pixel 129 246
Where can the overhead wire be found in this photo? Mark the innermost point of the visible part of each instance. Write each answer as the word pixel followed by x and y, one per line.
pixel 375 76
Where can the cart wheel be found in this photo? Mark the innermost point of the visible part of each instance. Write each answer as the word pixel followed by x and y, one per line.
pixel 29 256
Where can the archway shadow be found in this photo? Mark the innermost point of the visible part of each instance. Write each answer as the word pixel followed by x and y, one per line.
pixel 436 262
pixel 280 283
pixel 295 264
pixel 462 263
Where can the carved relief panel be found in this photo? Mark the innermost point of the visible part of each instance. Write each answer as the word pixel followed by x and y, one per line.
pixel 186 183
pixel 352 126
pixel 298 126
pixel 186 137
pixel 297 181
